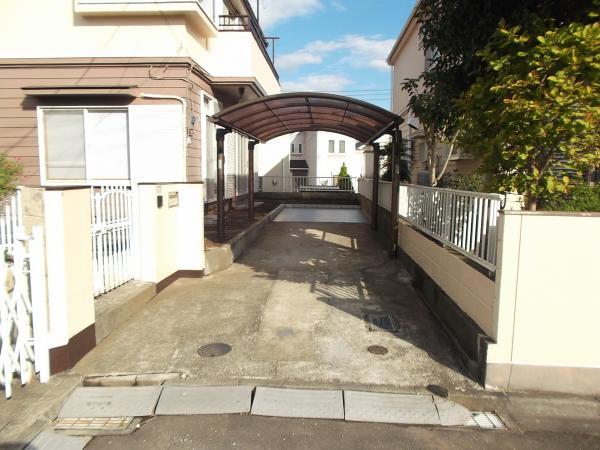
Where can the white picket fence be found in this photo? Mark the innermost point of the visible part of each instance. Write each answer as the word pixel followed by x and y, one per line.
pixel 462 220
pixel 23 300
pixel 112 237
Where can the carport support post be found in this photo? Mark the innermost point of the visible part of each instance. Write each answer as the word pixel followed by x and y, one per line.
pixel 221 132
pixel 396 143
pixel 375 193
pixel 251 145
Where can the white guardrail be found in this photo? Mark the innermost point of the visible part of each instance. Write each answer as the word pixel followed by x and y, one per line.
pixel 462 220
pixel 307 184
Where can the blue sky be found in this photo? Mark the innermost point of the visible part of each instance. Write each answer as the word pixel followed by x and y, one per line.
pixel 335 46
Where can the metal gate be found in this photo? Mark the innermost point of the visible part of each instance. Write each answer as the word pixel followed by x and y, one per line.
pixel 111 237
pixel 23 301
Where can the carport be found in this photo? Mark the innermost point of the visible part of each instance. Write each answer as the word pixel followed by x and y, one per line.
pixel 268 117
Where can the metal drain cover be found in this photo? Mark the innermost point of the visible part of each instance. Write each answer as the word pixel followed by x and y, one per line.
pixel 93 423
pixel 486 419
pixel 215 349
pixel 377 349
pixel 382 322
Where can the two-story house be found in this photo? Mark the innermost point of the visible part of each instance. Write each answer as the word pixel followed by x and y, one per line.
pixel 101 91
pixel 408 60
pixel 316 156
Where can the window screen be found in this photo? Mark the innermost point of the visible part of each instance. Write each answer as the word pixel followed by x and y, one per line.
pixel 65 145
pixel 342 147
pixel 331 146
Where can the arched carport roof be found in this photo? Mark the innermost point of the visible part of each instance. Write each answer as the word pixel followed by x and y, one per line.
pixel 268 117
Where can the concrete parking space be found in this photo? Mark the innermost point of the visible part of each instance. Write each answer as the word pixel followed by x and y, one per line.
pixel 293 310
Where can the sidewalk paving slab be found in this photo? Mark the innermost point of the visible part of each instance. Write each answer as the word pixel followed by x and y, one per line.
pixel 390 408
pixel 111 402
pixel 187 400
pixel 299 403
pixel 48 440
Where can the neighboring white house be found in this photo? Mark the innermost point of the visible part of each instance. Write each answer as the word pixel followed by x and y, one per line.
pixel 318 155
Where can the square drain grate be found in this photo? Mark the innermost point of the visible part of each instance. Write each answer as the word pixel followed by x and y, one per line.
pixel 487 420
pixel 382 322
pixel 93 424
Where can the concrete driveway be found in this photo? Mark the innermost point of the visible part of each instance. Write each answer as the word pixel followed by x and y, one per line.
pixel 293 309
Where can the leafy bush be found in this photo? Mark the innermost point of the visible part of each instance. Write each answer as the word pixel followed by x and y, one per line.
pixel 344 179
pixel 473 182
pixel 9 174
pixel 579 198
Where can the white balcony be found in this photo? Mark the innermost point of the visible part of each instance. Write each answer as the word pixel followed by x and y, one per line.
pixel 200 12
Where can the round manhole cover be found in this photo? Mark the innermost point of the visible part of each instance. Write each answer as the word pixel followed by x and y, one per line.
pixel 216 349
pixel 377 349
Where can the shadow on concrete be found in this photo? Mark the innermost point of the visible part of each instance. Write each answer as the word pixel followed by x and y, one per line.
pixel 349 269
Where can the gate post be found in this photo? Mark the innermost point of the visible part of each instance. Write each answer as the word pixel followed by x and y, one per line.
pixel 251 145
pixel 375 192
pixel 221 132
pixel 396 143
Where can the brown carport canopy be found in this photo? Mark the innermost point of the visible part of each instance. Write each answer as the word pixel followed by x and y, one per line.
pixel 268 117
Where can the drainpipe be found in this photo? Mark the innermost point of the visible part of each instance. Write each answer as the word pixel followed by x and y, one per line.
pixel 184 126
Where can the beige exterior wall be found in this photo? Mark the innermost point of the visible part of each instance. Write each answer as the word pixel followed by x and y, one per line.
pixel 60 32
pixel 473 292
pixel 408 61
pixel 548 301
pixel 69 263
pixel 172 237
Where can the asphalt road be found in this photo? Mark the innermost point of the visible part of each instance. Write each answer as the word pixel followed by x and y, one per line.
pixel 253 432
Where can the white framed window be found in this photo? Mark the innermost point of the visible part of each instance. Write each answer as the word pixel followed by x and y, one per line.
pixel 332 146
pixel 292 149
pixel 342 147
pixel 83 145
pixel 299 149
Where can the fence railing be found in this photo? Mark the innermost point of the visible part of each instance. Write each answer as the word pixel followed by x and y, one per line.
pixel 112 237
pixel 462 220
pixel 465 221
pixel 307 184
pixel 23 299
pixel 10 221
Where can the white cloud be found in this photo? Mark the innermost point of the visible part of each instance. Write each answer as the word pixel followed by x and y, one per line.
pixel 337 4
pixel 297 59
pixel 275 11
pixel 321 83
pixel 361 51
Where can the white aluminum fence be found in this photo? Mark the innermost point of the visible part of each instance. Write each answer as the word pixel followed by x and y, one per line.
pixel 10 221
pixel 307 184
pixel 112 237
pixel 465 221
pixel 23 300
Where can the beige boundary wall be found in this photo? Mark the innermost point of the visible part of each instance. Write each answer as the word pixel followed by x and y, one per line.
pixel 171 236
pixel 549 303
pixel 541 312
pixel 170 245
pixel 470 290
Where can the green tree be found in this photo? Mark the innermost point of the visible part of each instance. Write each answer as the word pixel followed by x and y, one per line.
pixel 9 174
pixel 344 179
pixel 533 116
pixel 451 34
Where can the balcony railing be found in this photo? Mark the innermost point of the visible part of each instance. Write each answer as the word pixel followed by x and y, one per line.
pixel 307 184
pixel 234 23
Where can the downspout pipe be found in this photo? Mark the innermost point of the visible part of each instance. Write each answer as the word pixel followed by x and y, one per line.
pixel 184 122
